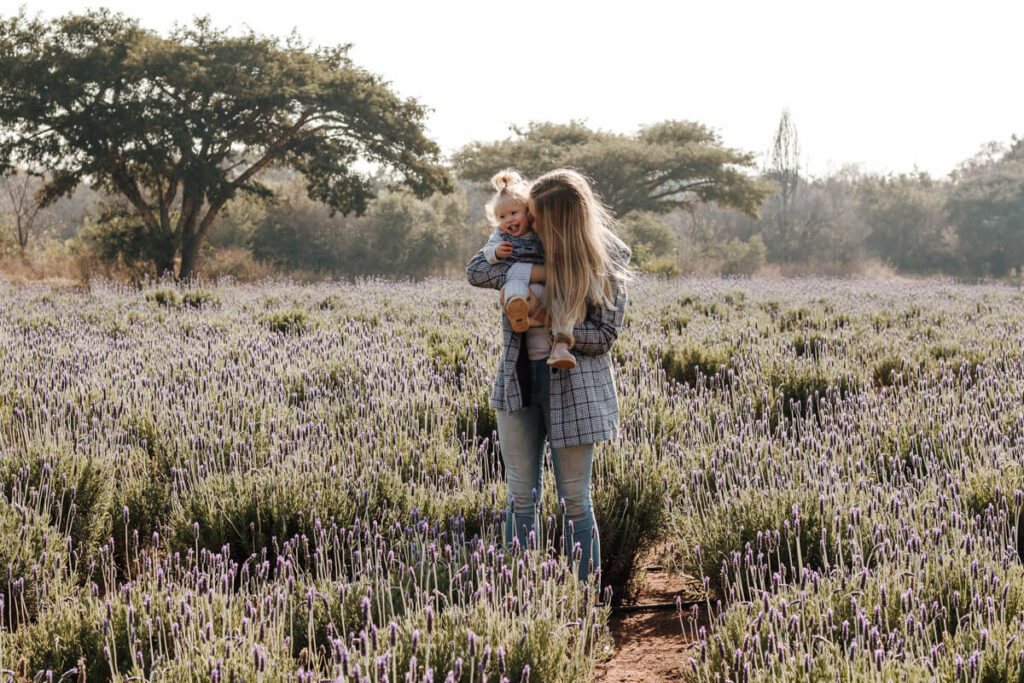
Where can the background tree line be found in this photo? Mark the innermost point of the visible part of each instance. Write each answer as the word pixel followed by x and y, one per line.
pixel 201 152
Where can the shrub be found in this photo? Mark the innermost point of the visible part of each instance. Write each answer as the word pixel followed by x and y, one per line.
pixel 448 350
pixel 687 365
pixel 248 510
pixel 63 639
pixel 164 297
pixel 664 266
pixel 293 321
pixel 811 346
pixel 887 372
pixel 801 392
pixel 33 562
pixel 631 508
pixel 72 492
pixel 198 298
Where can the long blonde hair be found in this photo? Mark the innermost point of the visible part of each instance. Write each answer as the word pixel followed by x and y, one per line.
pixel 582 254
pixel 507 184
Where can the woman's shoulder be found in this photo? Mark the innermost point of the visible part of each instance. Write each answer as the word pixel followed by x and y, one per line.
pixel 617 249
pixel 619 253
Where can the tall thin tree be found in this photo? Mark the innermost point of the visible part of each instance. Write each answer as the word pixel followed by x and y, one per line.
pixel 782 166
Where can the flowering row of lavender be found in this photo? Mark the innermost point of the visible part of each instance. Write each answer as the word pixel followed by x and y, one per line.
pixel 273 483
pixel 292 482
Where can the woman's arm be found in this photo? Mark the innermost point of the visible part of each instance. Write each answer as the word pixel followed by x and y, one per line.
pixel 598 331
pixel 480 273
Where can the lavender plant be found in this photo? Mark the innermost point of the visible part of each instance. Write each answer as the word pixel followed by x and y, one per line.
pixel 285 482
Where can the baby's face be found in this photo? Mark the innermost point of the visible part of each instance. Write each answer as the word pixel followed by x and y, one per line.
pixel 513 218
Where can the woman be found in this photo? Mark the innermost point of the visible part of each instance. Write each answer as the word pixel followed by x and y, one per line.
pixel 585 273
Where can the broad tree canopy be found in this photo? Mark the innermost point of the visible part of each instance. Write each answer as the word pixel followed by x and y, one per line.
pixel 178 125
pixel 665 166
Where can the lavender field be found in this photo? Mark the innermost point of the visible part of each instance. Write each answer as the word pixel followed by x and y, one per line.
pixel 300 483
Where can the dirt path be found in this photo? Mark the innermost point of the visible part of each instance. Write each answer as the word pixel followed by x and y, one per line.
pixel 649 646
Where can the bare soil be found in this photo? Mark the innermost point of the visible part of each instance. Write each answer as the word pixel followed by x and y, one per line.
pixel 650 646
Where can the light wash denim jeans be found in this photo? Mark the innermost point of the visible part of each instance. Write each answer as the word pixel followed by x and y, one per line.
pixel 522 436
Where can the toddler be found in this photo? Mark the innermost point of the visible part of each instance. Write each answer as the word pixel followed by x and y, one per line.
pixel 515 241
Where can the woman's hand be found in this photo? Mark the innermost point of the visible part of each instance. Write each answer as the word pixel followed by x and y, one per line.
pixel 538 274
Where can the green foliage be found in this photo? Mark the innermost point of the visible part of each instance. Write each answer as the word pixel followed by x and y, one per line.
pixel 664 266
pixel 294 321
pixel 888 372
pixel 119 237
pixel 400 235
pixel 449 351
pixel 165 297
pixel 198 298
pixel 644 228
pixel 32 555
pixel 70 490
pixel 802 391
pixel 631 509
pixel 687 365
pixel 739 257
pixel 410 236
pixel 196 116
pixel 664 166
pixel 61 639
pixel 751 521
pixel 811 346
pixel 904 214
pixel 987 207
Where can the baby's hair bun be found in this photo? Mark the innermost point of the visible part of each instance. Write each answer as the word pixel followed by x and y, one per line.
pixel 507 180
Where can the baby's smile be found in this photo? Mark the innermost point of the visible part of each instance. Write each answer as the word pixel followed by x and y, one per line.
pixel 517 229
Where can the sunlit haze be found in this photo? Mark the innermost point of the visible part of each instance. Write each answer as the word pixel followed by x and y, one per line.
pixel 888 85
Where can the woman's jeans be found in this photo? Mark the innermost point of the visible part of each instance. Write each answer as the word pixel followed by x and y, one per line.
pixel 522 436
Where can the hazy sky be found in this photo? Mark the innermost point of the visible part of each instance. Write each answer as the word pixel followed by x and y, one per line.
pixel 885 84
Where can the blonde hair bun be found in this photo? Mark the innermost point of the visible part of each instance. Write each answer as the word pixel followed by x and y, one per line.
pixel 507 181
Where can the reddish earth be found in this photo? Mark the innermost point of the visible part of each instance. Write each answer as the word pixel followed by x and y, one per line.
pixel 650 646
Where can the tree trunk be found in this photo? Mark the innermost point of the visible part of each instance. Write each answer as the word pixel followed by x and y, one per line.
pixel 190 243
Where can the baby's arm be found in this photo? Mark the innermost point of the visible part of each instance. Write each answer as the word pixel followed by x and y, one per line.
pixel 491 247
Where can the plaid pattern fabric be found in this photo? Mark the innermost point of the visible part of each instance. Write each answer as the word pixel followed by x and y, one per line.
pixel 584 407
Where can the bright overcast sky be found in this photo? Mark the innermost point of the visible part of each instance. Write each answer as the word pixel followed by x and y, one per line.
pixel 886 84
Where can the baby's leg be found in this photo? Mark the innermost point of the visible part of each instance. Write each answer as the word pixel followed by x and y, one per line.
pixel 562 341
pixel 517 307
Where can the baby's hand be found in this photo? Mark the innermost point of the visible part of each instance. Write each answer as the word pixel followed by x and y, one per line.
pixel 503 250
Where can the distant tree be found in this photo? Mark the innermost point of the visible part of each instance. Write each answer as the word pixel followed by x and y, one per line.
pixel 179 126
pixel 904 214
pixel 18 200
pixel 986 206
pixel 297 232
pixel 400 235
pixel 664 166
pixel 782 166
pixel 645 228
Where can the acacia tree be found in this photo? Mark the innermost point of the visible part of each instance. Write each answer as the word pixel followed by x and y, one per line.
pixel 179 125
pixel 664 166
